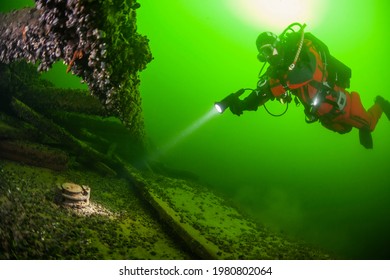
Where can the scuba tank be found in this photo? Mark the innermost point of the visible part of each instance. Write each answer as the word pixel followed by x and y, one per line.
pixel 338 73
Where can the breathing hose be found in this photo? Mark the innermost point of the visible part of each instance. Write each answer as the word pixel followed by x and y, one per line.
pixel 292 65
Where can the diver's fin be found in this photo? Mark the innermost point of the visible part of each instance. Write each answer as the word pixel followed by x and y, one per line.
pixel 365 138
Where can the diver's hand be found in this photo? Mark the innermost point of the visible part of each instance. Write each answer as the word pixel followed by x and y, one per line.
pixel 235 106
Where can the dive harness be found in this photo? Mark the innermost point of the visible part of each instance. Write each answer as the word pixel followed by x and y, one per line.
pixel 338 102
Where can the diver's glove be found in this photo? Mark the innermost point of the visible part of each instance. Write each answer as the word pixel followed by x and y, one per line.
pixel 236 106
pixel 255 99
pixel 258 96
pixel 251 102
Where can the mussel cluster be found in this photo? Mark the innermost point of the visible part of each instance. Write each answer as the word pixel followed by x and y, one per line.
pixel 71 33
pixel 96 39
pixel 54 30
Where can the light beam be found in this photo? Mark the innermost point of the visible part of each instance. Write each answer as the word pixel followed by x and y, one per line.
pixel 185 133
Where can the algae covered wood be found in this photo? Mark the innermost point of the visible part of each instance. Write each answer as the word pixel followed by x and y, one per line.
pixel 34 154
pixel 212 227
pixel 85 153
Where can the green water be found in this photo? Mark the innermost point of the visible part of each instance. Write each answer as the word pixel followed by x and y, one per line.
pixel 297 178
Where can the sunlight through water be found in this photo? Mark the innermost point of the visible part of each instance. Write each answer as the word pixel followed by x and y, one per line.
pixel 277 14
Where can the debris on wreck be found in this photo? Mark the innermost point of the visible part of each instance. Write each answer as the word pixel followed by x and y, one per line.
pixel 74 195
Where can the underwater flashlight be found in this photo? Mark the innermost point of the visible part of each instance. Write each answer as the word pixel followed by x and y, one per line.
pixel 222 105
pixel 225 103
pixel 218 106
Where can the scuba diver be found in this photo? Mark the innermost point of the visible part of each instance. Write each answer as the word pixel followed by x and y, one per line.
pixel 301 66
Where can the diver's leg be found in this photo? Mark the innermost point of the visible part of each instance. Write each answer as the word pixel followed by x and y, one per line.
pixel 359 117
pixel 384 105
